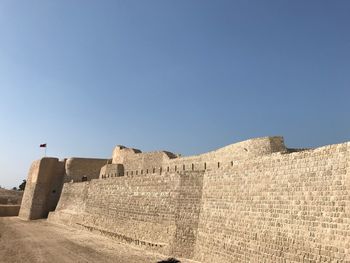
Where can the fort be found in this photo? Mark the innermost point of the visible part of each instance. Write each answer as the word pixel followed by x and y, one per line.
pixel 255 200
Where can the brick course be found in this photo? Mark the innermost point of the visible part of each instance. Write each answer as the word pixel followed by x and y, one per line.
pixel 255 201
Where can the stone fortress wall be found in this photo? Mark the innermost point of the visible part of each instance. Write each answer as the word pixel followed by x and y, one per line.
pixel 283 207
pixel 251 201
pixel 45 181
pixel 43 188
pixel 134 162
pixel 77 168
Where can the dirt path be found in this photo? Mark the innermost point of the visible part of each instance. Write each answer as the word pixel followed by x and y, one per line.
pixel 40 241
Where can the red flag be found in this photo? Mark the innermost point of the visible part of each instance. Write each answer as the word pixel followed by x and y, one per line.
pixel 43 145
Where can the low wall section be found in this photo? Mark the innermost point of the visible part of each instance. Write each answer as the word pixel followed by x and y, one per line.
pixel 10 197
pixel 9 210
pixel 152 211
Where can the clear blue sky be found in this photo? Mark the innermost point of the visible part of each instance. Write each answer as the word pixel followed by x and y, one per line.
pixel 186 76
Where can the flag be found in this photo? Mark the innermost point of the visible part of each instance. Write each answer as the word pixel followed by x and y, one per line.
pixel 43 145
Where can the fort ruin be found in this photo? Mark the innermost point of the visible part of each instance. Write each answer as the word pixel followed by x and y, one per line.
pixel 255 200
pixel 10 202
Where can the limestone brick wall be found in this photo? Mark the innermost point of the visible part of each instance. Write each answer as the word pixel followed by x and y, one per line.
pixel 73 197
pixel 120 153
pixel 77 168
pixel 160 212
pixel 141 209
pixel 279 208
pixel 138 210
pixel 111 170
pixel 255 201
pixel 28 195
pixel 149 163
pixel 43 188
pixel 145 163
pixel 187 213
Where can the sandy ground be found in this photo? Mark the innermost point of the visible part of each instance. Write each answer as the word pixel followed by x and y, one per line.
pixel 40 241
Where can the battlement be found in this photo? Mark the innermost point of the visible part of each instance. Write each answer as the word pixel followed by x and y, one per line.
pixel 134 162
pixel 47 175
pixel 255 200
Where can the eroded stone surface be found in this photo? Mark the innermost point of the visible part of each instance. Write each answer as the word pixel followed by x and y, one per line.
pixel 254 201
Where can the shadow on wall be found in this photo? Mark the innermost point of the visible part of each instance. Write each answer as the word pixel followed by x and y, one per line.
pixel 170 260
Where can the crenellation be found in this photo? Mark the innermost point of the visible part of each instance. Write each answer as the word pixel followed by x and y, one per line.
pixel 253 201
